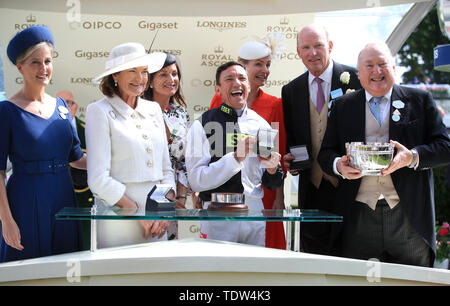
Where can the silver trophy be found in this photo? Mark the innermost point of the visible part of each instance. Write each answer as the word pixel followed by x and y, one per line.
pixel 370 158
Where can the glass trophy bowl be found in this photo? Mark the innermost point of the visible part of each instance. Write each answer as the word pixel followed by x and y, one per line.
pixel 370 158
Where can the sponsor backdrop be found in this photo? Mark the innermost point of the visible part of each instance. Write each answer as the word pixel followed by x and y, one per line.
pixel 200 43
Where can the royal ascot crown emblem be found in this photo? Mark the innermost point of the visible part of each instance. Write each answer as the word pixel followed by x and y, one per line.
pixel 370 158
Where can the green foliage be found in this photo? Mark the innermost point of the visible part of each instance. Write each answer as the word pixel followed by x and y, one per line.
pixel 417 51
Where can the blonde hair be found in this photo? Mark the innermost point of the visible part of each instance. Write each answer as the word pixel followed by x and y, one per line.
pixel 24 55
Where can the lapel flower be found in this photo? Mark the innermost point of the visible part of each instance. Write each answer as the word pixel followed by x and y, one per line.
pixel 345 77
pixel 349 91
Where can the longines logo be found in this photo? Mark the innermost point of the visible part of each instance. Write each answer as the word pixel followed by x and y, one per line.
pixel 174 51
pixel 143 24
pixel 221 25
pixel 215 59
pixel 30 20
pixel 101 25
pixel 82 81
pixel 284 27
pixel 90 54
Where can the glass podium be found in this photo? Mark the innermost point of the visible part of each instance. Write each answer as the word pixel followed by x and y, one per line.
pixel 268 215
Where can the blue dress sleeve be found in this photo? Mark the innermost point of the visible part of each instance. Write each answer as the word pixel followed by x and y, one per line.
pixel 5 134
pixel 75 153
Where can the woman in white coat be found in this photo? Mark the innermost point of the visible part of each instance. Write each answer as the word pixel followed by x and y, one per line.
pixel 127 145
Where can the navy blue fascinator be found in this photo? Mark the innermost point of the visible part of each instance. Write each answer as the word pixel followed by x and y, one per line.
pixel 27 38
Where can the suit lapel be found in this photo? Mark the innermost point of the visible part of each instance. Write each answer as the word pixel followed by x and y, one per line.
pixel 360 116
pixel 335 79
pixel 303 105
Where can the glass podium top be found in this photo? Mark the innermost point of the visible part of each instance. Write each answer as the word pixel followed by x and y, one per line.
pixel 107 213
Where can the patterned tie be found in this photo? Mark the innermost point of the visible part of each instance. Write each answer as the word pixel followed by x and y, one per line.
pixel 320 99
pixel 375 108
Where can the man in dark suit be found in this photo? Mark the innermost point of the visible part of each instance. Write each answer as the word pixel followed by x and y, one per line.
pixel 305 115
pixel 389 217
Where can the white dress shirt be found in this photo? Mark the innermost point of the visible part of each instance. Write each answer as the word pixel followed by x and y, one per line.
pixel 125 145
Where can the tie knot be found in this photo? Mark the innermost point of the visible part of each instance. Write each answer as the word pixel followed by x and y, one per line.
pixel 377 99
pixel 318 80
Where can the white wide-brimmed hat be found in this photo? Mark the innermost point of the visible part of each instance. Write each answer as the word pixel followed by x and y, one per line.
pixel 272 45
pixel 130 55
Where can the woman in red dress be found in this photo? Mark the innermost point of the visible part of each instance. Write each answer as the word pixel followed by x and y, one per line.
pixel 256 56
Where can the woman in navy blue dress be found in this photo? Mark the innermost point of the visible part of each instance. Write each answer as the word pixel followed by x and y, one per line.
pixel 37 136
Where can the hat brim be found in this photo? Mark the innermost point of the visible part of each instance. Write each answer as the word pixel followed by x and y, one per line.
pixel 153 61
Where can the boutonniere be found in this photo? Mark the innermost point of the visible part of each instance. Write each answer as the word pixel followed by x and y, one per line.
pixel 345 77
pixel 349 91
pixel 396 113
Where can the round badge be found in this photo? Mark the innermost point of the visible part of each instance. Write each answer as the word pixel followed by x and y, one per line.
pixel 63 110
pixel 398 104
pixel 395 117
pixel 63 115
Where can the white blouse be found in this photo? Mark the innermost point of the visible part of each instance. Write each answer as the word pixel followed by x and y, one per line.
pixel 125 145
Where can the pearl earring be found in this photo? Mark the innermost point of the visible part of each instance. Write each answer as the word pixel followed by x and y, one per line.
pixel 115 83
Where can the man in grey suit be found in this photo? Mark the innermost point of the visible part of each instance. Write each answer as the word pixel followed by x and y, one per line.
pixel 388 217
pixel 306 104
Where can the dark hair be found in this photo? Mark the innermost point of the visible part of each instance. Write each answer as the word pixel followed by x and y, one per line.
pixel 108 87
pixel 225 66
pixel 177 97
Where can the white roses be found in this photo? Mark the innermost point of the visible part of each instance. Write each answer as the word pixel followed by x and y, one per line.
pixel 345 77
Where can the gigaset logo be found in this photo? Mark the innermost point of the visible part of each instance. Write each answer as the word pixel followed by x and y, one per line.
pixel 91 54
pixel 19 80
pixel 101 25
pixel 221 25
pixel 157 25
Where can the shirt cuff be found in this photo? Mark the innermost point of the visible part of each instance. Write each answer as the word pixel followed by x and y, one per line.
pixel 335 170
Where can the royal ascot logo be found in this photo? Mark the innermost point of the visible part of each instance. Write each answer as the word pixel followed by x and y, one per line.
pixel 215 59
pixel 152 26
pixel 88 55
pixel 284 27
pixel 221 25
pixel 30 21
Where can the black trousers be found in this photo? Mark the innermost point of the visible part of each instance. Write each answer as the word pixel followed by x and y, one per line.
pixel 315 236
pixel 384 234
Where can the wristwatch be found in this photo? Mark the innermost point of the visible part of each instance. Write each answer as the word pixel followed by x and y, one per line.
pixel 414 159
